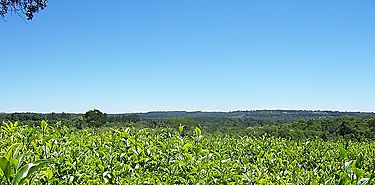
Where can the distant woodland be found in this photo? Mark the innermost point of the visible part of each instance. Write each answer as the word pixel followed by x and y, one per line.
pixel 292 124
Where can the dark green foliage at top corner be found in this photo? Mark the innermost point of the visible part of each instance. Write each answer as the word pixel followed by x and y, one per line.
pixel 27 8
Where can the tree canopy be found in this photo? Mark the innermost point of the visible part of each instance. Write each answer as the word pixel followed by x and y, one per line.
pixel 22 7
pixel 95 118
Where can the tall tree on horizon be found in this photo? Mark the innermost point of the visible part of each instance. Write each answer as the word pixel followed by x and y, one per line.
pixel 95 118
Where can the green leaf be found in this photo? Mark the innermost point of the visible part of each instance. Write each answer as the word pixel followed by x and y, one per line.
pixel 48 173
pixel 46 139
pixel 189 156
pixel 358 172
pixel 262 181
pixel 359 161
pixel 5 167
pixel 217 154
pixel 198 131
pixel 44 125
pixel 181 128
pixel 27 170
pixel 13 151
pixel 187 146
pixel 343 152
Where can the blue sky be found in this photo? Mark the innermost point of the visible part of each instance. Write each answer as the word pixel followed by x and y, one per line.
pixel 211 55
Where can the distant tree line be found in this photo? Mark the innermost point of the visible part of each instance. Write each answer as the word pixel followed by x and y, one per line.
pixel 92 118
pixel 347 127
pixel 350 127
pixel 273 115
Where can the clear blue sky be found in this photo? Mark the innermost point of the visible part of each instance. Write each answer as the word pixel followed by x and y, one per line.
pixel 143 55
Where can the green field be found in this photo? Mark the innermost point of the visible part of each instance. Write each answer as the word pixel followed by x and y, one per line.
pixel 62 155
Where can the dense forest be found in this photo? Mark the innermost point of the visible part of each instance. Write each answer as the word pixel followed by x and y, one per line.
pixel 278 115
pixel 274 115
pixel 292 124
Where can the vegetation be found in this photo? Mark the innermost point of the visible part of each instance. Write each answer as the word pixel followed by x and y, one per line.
pixel 349 128
pixel 96 148
pixel 22 7
pixel 95 118
pixel 332 126
pixel 273 115
pixel 264 115
pixel 164 156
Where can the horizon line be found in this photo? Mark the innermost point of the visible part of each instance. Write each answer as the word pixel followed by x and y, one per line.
pixel 192 111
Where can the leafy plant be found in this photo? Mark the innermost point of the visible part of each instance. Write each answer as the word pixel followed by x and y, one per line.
pixel 168 156
pixel 13 172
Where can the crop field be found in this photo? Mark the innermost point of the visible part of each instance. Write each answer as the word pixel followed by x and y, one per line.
pixel 60 155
